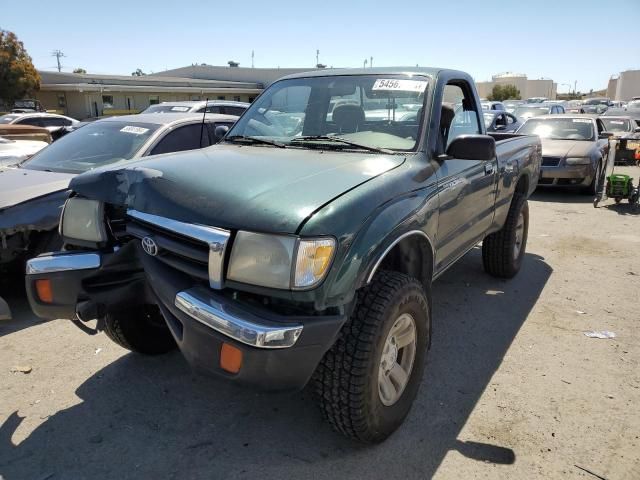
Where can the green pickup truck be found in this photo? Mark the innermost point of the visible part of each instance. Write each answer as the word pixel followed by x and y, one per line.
pixel 301 248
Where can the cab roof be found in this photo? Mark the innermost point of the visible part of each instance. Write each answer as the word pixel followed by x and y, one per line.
pixel 331 72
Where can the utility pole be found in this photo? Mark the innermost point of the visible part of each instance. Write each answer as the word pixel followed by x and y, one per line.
pixel 252 58
pixel 58 54
pixel 365 63
pixel 317 57
pixel 575 85
pixel 370 62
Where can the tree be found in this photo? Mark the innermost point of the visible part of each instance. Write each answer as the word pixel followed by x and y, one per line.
pixel 504 92
pixel 138 73
pixel 18 77
pixel 79 70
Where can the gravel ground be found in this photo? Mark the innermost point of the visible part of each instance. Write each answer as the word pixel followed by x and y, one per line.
pixel 513 388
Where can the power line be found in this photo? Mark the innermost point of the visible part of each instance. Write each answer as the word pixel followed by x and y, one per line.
pixel 58 54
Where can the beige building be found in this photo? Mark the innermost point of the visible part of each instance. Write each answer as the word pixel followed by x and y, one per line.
pixel 85 95
pixel 625 86
pixel 528 88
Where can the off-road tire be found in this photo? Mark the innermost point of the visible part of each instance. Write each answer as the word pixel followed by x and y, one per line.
pixel 498 256
pixel 140 329
pixel 346 380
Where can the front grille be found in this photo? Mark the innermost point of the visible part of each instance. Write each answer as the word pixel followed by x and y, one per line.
pixel 178 251
pixel 550 161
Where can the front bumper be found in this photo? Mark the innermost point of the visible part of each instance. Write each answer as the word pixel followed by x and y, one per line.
pixel 280 352
pixel 567 175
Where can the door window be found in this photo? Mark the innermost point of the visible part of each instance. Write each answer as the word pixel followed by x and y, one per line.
pixel 55 122
pixel 34 121
pixel 458 101
pixel 183 138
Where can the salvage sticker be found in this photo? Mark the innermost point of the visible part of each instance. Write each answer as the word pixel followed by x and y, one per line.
pixel 392 84
pixel 134 130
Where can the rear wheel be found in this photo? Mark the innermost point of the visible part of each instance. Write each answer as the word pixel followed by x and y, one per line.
pixel 141 329
pixel 368 381
pixel 502 251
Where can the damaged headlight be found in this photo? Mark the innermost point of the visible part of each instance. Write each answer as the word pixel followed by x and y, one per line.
pixel 83 219
pixel 280 261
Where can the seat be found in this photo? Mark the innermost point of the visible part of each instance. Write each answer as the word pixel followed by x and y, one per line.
pixel 348 118
pixel 447 113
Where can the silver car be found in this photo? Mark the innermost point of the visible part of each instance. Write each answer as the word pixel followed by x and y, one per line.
pixel 574 149
pixel 225 107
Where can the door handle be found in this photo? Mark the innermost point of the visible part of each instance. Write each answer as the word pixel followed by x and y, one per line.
pixel 488 169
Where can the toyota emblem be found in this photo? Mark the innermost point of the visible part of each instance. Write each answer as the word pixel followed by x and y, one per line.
pixel 150 246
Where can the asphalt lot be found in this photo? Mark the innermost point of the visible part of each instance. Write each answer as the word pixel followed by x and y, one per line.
pixel 513 388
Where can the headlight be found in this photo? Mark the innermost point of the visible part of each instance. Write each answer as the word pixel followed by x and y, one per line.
pixel 578 161
pixel 83 219
pixel 268 260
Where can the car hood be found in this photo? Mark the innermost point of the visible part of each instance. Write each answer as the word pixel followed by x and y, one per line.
pixel 566 148
pixel 255 188
pixel 17 185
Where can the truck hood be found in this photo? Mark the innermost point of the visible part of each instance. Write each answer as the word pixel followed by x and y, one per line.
pixel 255 188
pixel 566 148
pixel 18 185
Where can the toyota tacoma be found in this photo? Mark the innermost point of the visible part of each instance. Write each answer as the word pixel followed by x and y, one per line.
pixel 302 248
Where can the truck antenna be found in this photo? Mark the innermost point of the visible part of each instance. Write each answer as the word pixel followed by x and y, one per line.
pixel 204 114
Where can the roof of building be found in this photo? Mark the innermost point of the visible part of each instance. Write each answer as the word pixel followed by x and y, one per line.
pixel 262 76
pixel 144 80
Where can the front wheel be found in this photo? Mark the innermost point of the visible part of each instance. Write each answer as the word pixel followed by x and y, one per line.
pixel 502 251
pixel 367 382
pixel 140 329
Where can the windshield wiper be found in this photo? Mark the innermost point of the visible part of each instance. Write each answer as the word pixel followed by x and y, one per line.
pixel 247 138
pixel 333 138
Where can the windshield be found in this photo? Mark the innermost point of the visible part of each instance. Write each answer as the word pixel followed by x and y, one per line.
pixel 375 111
pixel 94 145
pixel 8 118
pixel 616 124
pixel 167 109
pixel 559 128
pixel 526 112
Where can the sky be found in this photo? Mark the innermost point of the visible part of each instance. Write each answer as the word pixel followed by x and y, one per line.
pixel 585 41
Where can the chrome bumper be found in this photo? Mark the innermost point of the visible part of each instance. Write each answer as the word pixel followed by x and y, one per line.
pixel 234 323
pixel 62 263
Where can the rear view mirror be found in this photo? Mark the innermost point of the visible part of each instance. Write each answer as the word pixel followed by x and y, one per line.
pixel 221 131
pixel 605 135
pixel 473 147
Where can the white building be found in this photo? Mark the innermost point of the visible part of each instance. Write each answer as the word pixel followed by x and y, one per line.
pixel 543 87
pixel 624 86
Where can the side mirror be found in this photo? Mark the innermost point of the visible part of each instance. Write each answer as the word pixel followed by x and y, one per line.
pixel 605 135
pixel 221 131
pixel 473 147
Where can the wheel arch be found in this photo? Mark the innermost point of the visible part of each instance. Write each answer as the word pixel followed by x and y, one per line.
pixel 411 253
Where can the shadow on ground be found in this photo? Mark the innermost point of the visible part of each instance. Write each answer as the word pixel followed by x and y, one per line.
pixel 622 208
pixel 560 195
pixel 152 418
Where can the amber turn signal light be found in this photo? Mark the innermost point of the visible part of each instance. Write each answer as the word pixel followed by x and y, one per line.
pixel 45 293
pixel 230 358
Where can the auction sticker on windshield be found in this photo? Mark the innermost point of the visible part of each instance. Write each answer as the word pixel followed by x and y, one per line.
pixel 134 130
pixel 393 84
